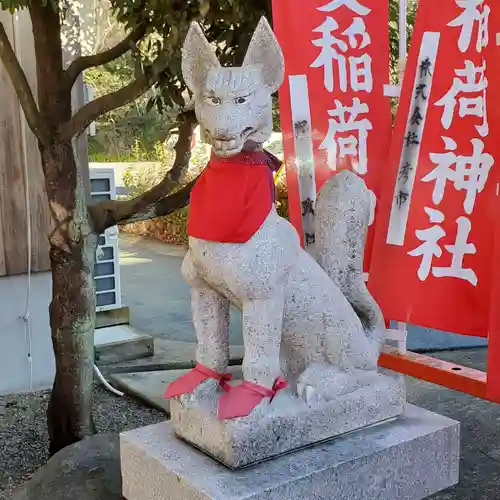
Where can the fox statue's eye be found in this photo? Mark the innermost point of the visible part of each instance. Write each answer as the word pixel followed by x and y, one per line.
pixel 214 101
pixel 240 100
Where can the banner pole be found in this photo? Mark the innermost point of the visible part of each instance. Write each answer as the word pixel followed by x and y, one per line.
pixel 403 40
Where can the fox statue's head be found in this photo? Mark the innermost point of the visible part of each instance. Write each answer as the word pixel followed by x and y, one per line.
pixel 233 105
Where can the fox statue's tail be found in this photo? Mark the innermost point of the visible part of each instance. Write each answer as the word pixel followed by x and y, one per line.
pixel 341 222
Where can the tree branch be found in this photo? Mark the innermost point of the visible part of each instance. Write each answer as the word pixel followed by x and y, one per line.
pixel 82 63
pixel 22 88
pixel 152 203
pixel 91 111
pixel 165 206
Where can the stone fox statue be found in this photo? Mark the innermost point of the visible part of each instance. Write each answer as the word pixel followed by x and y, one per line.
pixel 308 323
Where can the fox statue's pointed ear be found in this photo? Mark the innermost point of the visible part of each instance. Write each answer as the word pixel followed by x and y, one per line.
pixel 264 50
pixel 198 58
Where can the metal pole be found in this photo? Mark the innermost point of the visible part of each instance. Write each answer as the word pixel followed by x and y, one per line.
pixel 401 343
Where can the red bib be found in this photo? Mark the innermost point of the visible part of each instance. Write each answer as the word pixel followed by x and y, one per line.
pixel 232 198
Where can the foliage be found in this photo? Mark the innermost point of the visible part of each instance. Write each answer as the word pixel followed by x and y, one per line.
pixel 118 132
pixel 228 23
pixel 132 129
pixel 139 180
pixel 172 228
pixel 13 5
pixel 138 152
pixel 394 32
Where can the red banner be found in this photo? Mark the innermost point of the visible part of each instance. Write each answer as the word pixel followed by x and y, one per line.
pixel 433 256
pixel 334 114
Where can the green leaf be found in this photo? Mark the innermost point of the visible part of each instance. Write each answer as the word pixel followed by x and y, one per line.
pixel 150 104
pixel 178 99
pixel 204 7
pixel 159 106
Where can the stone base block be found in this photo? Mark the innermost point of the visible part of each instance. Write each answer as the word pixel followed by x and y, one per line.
pixel 407 459
pixel 287 423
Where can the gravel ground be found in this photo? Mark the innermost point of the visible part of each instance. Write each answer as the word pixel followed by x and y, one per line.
pixel 23 430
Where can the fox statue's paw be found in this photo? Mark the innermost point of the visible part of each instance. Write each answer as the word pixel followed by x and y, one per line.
pixel 321 383
pixel 308 393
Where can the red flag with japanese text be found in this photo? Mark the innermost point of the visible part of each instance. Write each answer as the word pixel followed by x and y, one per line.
pixel 433 250
pixel 334 114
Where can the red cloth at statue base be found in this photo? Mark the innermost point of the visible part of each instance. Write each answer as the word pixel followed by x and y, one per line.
pixel 240 400
pixel 232 198
pixel 191 380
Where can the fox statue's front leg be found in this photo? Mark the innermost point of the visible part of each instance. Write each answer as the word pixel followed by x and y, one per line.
pixel 255 274
pixel 262 332
pixel 210 312
pixel 211 323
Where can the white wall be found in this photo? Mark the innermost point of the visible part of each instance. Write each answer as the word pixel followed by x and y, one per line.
pixel 14 366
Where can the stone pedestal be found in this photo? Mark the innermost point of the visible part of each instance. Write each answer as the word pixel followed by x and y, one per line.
pixel 286 423
pixel 407 459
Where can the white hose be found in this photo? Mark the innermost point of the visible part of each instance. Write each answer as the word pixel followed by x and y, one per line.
pixel 105 383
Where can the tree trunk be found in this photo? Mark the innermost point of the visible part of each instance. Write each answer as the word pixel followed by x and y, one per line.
pixel 73 243
pixel 72 310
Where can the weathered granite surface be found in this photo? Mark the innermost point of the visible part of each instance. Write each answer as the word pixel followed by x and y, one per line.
pixel 286 423
pixel 408 459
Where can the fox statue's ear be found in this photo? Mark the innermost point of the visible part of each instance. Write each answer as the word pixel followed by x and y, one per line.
pixel 198 58
pixel 264 50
